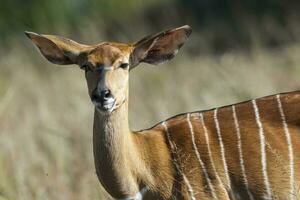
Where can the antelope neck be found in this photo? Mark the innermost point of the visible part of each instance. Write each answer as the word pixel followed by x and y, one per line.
pixel 117 160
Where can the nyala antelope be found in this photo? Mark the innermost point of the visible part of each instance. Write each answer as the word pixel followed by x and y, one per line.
pixel 248 150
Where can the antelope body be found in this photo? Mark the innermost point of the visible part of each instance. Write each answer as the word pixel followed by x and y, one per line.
pixel 244 151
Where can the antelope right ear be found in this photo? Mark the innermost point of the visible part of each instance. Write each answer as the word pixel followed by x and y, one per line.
pixel 57 49
pixel 161 47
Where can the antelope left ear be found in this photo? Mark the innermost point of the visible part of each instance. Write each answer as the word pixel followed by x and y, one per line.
pixel 161 47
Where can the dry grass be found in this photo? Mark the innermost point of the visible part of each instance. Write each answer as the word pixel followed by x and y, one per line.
pixel 46 115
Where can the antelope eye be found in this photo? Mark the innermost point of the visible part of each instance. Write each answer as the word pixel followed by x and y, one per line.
pixel 124 65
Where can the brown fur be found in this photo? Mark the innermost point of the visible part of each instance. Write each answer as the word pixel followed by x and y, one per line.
pixel 277 153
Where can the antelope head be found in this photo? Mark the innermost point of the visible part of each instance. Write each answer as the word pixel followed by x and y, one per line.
pixel 107 64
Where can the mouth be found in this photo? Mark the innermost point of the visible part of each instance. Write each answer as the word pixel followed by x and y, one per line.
pixel 106 106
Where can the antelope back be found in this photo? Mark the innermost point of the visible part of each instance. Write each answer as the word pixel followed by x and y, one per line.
pixel 249 150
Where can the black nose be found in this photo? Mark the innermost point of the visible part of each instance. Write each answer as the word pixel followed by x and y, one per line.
pixel 101 96
pixel 105 94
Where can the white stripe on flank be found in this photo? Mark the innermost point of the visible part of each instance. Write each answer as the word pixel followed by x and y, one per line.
pixel 238 134
pixel 263 151
pixel 209 153
pixel 185 179
pixel 290 148
pixel 222 149
pixel 213 193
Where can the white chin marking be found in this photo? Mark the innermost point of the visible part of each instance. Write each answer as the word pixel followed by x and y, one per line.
pixel 105 108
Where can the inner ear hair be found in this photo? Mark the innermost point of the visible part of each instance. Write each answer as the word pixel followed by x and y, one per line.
pixel 57 49
pixel 160 47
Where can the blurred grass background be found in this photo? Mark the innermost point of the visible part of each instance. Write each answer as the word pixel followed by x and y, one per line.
pixel 239 50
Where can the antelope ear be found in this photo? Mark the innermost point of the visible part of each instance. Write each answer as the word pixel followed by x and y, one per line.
pixel 161 47
pixel 57 49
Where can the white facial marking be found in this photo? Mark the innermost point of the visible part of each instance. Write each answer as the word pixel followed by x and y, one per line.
pixel 108 107
pixel 263 151
pixel 108 68
pixel 138 196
